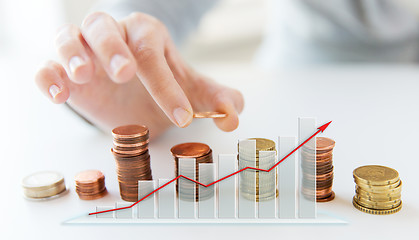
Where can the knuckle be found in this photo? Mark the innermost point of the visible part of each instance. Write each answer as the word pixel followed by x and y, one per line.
pixel 144 53
pixel 108 41
pixel 66 35
pixel 144 19
pixel 65 28
pixel 93 17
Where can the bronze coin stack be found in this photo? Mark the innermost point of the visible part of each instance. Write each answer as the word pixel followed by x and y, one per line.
pixel 90 184
pixel 130 150
pixel 201 152
pixel 324 169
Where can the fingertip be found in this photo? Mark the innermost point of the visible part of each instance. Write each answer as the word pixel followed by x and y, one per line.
pixel 238 101
pixel 182 117
pixel 229 123
pixel 58 94
pixel 51 83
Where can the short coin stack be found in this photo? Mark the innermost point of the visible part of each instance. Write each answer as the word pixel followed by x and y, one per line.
pixel 43 185
pixel 378 190
pixel 202 154
pixel 130 150
pixel 323 164
pixel 90 184
pixel 265 181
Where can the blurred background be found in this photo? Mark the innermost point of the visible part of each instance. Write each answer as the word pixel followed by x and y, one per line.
pixel 27 29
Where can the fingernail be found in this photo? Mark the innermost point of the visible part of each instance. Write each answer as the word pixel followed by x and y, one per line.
pixel 74 63
pixel 182 117
pixel 54 90
pixel 117 63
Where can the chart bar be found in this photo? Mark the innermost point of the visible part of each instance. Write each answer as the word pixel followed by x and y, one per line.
pixel 307 176
pixel 124 213
pixel 105 214
pixel 187 188
pixel 287 180
pixel 247 179
pixel 267 185
pixel 227 200
pixel 167 199
pixel 147 207
pixel 206 203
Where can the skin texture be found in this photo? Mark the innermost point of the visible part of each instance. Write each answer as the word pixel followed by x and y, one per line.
pixel 115 73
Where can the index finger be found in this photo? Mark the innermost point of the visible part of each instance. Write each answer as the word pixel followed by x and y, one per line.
pixel 146 37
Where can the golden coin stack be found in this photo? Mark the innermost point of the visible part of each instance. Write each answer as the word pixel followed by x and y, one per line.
pixel 90 184
pixel 323 163
pixel 378 190
pixel 202 154
pixel 130 150
pixel 265 181
pixel 43 185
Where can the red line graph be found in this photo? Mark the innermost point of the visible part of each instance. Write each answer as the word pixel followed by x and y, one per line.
pixel 320 129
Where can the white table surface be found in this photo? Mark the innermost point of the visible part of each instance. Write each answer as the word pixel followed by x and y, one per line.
pixel 375 121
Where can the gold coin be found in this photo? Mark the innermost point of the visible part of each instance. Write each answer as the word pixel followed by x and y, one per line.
pixel 375 211
pixel 263 144
pixel 385 203
pixel 376 175
pixel 376 197
pixel 379 188
pixel 393 191
pixel 376 206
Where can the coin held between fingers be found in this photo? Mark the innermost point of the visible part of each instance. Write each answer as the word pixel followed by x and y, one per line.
pixel 209 115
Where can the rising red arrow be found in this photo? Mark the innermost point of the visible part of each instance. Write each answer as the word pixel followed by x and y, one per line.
pixel 320 129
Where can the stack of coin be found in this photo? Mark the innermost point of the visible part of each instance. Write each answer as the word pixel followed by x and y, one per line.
pixel 378 190
pixel 202 154
pixel 90 184
pixel 319 161
pixel 43 185
pixel 265 181
pixel 130 150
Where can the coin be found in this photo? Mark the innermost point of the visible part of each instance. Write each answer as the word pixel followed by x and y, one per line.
pixel 377 190
pixel 376 211
pixel 129 131
pixel 317 168
pixel 264 188
pixel 190 150
pixel 209 115
pixel 43 185
pixel 90 184
pixel 376 175
pixel 132 159
pixel 202 154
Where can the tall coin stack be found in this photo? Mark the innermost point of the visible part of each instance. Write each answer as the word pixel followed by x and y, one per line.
pixel 202 154
pixel 90 184
pixel 265 181
pixel 130 150
pixel 378 190
pixel 324 169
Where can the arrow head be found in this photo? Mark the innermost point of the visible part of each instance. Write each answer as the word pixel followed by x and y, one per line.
pixel 324 126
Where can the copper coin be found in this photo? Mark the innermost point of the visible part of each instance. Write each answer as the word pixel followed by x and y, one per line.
pixel 191 150
pixel 93 196
pixel 130 131
pixel 327 199
pixel 88 176
pixel 324 143
pixel 209 115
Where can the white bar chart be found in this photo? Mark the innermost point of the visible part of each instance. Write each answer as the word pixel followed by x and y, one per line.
pixel 248 187
pixel 287 179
